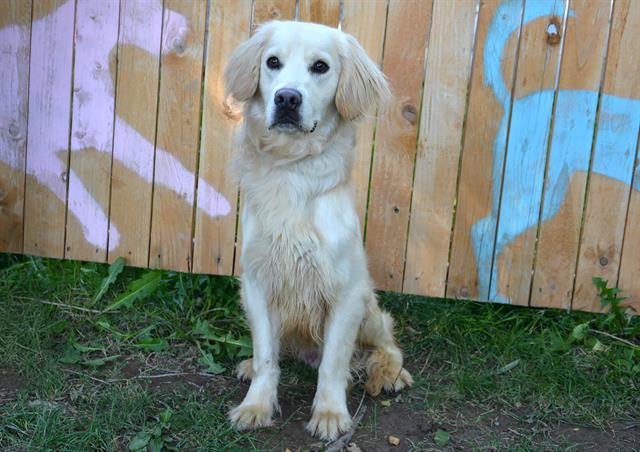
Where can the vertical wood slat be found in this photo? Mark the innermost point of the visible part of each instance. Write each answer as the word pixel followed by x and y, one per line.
pixel 177 135
pixel 613 160
pixel 135 130
pixel 368 26
pixel 48 137
pixel 441 123
pixel 92 130
pixel 408 27
pixel 630 261
pixel 263 11
pixel 484 148
pixel 15 39
pixel 580 79
pixel 521 194
pixel 325 12
pixel 215 228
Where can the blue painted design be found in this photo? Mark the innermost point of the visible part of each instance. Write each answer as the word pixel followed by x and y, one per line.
pixel 616 142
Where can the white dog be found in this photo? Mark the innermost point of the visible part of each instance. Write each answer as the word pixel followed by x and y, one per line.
pixel 305 283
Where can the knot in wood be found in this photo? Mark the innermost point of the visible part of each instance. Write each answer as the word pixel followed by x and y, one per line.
pixel 553 31
pixel 14 130
pixel 410 113
pixel 464 292
pixel 604 261
pixel 396 209
pixel 80 134
pixel 179 46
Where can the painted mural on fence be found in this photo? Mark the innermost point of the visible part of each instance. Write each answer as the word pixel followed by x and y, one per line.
pixel 136 152
pixel 617 134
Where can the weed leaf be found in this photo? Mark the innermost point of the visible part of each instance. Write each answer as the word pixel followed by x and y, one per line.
pixel 508 367
pixel 114 270
pixel 151 344
pixel 212 366
pixel 441 438
pixel 139 441
pixel 99 362
pixel 139 289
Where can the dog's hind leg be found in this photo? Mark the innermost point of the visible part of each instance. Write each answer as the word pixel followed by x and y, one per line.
pixel 244 370
pixel 384 364
pixel 257 408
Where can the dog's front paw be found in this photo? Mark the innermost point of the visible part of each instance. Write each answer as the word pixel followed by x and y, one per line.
pixel 244 371
pixel 328 425
pixel 250 416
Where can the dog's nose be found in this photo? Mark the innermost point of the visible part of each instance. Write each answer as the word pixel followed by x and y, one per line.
pixel 288 98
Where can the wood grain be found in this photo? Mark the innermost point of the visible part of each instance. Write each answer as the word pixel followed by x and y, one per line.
pixel 177 135
pixel 483 152
pixel 135 130
pixel 408 27
pixel 214 241
pixel 614 153
pixel 529 128
pixel 368 27
pixel 92 130
pixel 48 136
pixel 581 68
pixel 15 40
pixel 441 124
pixel 320 11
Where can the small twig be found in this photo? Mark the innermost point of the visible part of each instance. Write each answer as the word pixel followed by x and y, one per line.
pixel 342 442
pixel 624 341
pixel 62 305
pixel 142 377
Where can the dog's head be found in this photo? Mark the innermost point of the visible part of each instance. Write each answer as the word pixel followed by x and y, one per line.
pixel 301 77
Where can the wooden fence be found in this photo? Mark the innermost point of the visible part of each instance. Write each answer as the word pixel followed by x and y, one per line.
pixel 517 181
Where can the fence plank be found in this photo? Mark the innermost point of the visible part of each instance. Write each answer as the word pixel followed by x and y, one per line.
pixel 408 25
pixel 15 31
pixel 263 11
pixel 48 138
pixel 229 22
pixel 321 11
pixel 528 135
pixel 483 149
pixel 441 123
pixel 630 261
pixel 178 134
pixel 613 159
pixel 91 131
pixel 581 69
pixel 266 10
pixel 368 26
pixel 135 130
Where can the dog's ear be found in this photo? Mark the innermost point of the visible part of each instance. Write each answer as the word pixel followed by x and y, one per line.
pixel 242 73
pixel 362 85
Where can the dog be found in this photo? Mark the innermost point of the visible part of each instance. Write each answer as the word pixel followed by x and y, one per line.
pixel 305 286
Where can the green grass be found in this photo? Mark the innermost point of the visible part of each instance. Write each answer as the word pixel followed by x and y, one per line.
pixel 69 366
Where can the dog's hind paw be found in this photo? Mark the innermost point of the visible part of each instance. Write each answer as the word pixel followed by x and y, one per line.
pixel 383 372
pixel 244 371
pixel 328 425
pixel 244 417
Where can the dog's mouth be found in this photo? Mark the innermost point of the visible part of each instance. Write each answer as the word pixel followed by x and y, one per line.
pixel 290 125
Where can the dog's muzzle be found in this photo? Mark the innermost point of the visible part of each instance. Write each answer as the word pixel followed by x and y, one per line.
pixel 287 113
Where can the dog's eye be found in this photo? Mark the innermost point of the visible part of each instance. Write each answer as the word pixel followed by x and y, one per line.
pixel 274 63
pixel 319 67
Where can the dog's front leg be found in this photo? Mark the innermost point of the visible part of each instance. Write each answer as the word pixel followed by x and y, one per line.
pixel 330 414
pixel 257 408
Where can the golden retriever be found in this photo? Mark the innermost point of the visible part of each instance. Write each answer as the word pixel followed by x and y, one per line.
pixel 305 284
